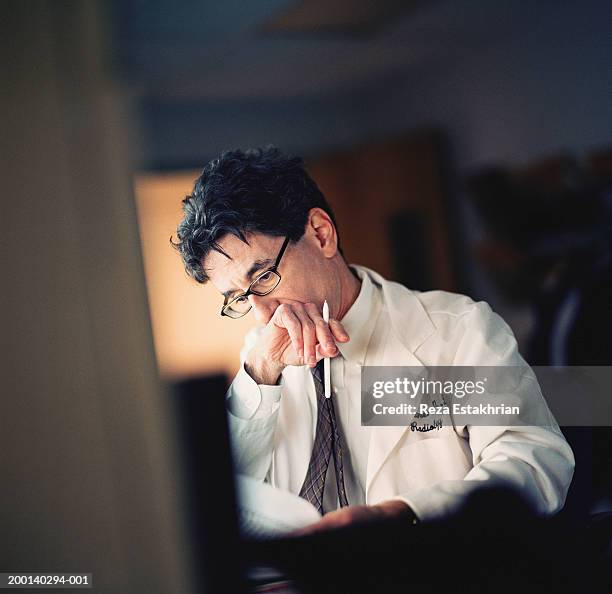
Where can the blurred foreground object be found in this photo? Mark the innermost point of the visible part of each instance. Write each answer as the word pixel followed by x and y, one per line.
pixel 87 448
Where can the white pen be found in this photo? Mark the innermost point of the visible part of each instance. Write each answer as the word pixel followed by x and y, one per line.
pixel 326 370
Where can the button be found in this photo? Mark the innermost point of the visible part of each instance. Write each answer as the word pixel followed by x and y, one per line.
pixel 335 390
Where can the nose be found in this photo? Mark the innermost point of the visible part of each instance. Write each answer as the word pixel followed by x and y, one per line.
pixel 262 308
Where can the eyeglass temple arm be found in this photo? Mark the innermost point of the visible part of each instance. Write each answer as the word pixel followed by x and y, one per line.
pixel 282 251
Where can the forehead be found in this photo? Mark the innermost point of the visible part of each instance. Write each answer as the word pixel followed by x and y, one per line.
pixel 226 274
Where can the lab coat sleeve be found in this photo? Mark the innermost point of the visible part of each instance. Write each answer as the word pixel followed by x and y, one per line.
pixel 535 460
pixel 252 417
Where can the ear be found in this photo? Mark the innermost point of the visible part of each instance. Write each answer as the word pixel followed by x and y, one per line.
pixel 321 229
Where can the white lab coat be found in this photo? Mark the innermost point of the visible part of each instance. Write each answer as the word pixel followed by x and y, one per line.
pixel 433 471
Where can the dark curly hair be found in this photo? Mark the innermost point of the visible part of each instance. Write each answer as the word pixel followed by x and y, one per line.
pixel 242 192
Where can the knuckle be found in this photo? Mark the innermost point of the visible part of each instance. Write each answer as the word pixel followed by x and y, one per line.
pixel 309 325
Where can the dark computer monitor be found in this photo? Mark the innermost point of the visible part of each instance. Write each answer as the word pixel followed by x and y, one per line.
pixel 210 510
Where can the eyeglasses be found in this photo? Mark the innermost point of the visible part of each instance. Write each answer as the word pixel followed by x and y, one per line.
pixel 263 284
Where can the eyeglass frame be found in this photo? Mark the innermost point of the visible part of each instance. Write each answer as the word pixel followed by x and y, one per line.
pixel 249 291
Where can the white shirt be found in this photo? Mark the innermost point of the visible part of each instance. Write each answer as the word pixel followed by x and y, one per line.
pixel 360 322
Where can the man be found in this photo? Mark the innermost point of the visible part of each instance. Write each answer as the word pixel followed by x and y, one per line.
pixel 259 229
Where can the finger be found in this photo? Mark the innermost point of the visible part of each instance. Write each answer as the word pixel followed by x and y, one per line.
pixel 322 354
pixel 333 519
pixel 340 334
pixel 286 318
pixel 324 334
pixel 307 530
pixel 309 335
pixel 325 523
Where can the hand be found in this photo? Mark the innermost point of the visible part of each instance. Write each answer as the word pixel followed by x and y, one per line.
pixel 358 514
pixel 295 335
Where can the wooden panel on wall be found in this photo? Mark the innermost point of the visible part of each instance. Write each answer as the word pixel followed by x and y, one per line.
pixel 371 187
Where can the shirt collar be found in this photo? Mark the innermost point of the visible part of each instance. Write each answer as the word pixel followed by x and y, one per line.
pixel 360 319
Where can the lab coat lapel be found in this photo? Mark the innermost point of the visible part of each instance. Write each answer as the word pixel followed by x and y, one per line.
pixel 411 327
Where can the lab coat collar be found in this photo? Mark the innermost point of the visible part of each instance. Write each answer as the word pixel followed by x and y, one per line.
pixel 411 326
pixel 409 320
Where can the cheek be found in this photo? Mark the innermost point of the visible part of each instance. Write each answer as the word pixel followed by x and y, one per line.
pixel 306 289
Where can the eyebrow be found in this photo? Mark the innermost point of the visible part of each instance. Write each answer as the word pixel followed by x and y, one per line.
pixel 255 267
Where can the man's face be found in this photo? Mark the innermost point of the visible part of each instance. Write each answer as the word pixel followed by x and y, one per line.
pixel 304 271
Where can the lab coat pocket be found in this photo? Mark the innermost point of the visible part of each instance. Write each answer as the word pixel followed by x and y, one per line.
pixel 429 460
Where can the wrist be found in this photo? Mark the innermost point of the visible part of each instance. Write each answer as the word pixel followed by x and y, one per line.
pixel 262 371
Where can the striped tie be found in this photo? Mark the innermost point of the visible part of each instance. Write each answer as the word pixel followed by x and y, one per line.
pixel 327 440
